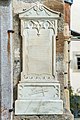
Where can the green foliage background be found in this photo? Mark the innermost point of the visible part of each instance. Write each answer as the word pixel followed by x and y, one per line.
pixel 74 103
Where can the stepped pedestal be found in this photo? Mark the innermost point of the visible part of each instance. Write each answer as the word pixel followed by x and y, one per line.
pixel 38 95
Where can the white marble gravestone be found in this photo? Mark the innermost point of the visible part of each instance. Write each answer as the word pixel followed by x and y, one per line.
pixel 39 90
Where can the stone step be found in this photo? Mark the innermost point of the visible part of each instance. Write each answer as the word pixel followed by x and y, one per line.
pixel 39 107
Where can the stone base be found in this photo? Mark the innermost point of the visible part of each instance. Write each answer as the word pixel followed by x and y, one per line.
pixel 45 117
pixel 38 107
pixel 38 97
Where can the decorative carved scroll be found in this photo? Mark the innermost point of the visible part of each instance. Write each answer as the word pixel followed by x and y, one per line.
pixel 45 24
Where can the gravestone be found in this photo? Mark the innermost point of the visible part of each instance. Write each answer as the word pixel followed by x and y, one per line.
pixel 39 90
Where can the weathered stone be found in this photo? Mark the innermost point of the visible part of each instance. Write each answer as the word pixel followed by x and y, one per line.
pixel 6 81
pixel 45 117
pixel 39 30
pixel 18 6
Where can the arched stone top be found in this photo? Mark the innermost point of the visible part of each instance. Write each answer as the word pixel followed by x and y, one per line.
pixel 39 11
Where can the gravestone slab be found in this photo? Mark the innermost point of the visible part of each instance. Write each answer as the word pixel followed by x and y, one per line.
pixel 39 90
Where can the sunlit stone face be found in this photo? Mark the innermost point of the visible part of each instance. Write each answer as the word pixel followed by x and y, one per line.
pixel 39 90
pixel 38 51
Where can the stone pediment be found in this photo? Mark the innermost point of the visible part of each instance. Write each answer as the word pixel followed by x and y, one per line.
pixel 39 11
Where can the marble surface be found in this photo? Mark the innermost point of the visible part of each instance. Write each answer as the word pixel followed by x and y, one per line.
pixel 39 40
pixel 38 51
pixel 38 91
pixel 32 107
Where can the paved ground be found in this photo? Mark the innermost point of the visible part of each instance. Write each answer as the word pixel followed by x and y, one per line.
pixel 77 119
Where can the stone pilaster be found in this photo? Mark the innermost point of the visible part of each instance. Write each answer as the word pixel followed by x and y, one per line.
pixel 6 59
